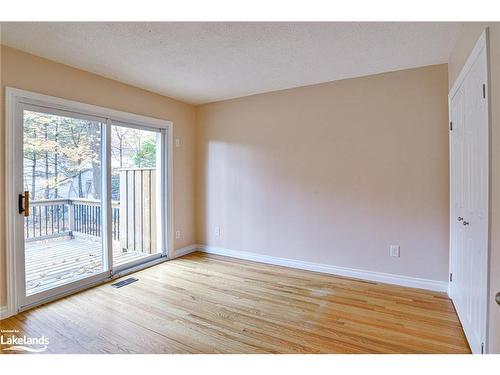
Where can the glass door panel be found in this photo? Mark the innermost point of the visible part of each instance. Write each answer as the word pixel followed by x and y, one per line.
pixel 92 198
pixel 62 174
pixel 135 190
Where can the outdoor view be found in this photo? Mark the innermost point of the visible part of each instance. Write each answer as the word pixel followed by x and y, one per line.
pixel 63 173
pixel 134 194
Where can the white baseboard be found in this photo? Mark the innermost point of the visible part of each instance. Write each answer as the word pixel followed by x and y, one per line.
pixel 413 282
pixel 186 250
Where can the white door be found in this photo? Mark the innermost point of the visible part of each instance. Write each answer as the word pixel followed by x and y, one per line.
pixel 469 179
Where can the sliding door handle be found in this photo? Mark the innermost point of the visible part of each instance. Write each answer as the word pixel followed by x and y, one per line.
pixel 24 203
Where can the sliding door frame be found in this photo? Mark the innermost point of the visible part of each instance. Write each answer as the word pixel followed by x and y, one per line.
pixel 15 99
pixel 23 300
pixel 162 189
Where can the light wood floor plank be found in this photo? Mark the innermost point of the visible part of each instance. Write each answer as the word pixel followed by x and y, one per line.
pixel 211 304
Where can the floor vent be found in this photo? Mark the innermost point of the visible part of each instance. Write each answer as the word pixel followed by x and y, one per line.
pixel 130 280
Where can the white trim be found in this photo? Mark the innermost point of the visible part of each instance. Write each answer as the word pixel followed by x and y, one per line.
pixel 137 268
pixel 478 48
pixel 169 184
pixel 450 203
pixel 86 109
pixel 387 278
pixel 14 238
pixel 186 250
pixel 487 338
pixel 10 203
pixel 106 209
pixel 137 263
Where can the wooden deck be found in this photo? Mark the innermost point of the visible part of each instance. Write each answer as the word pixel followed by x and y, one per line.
pixel 55 262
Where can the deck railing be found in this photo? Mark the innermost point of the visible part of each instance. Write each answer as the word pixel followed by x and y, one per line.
pixel 51 218
pixel 138 208
pixel 134 217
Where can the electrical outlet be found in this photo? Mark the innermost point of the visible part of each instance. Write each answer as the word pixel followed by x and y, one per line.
pixel 218 231
pixel 394 251
pixel 177 234
pixel 178 142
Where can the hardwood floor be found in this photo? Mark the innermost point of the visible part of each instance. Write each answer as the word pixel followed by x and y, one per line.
pixel 211 304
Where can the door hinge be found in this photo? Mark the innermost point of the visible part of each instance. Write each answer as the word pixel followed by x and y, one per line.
pixel 451 277
pixel 484 90
pixel 482 348
pixel 451 125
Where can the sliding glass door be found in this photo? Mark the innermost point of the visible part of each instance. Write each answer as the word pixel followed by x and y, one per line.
pixel 136 186
pixel 62 179
pixel 92 200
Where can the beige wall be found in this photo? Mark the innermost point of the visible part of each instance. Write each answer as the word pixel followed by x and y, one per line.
pixel 466 41
pixel 331 173
pixel 25 71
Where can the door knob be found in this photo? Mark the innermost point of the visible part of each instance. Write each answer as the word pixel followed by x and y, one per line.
pixel 460 218
pixel 466 222
pixel 497 298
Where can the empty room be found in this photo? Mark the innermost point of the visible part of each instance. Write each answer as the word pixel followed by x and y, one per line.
pixel 250 187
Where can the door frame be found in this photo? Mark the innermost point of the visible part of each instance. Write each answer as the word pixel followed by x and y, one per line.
pixel 13 138
pixel 482 44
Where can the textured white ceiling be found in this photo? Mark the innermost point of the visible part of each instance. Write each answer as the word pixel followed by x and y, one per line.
pixel 204 62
